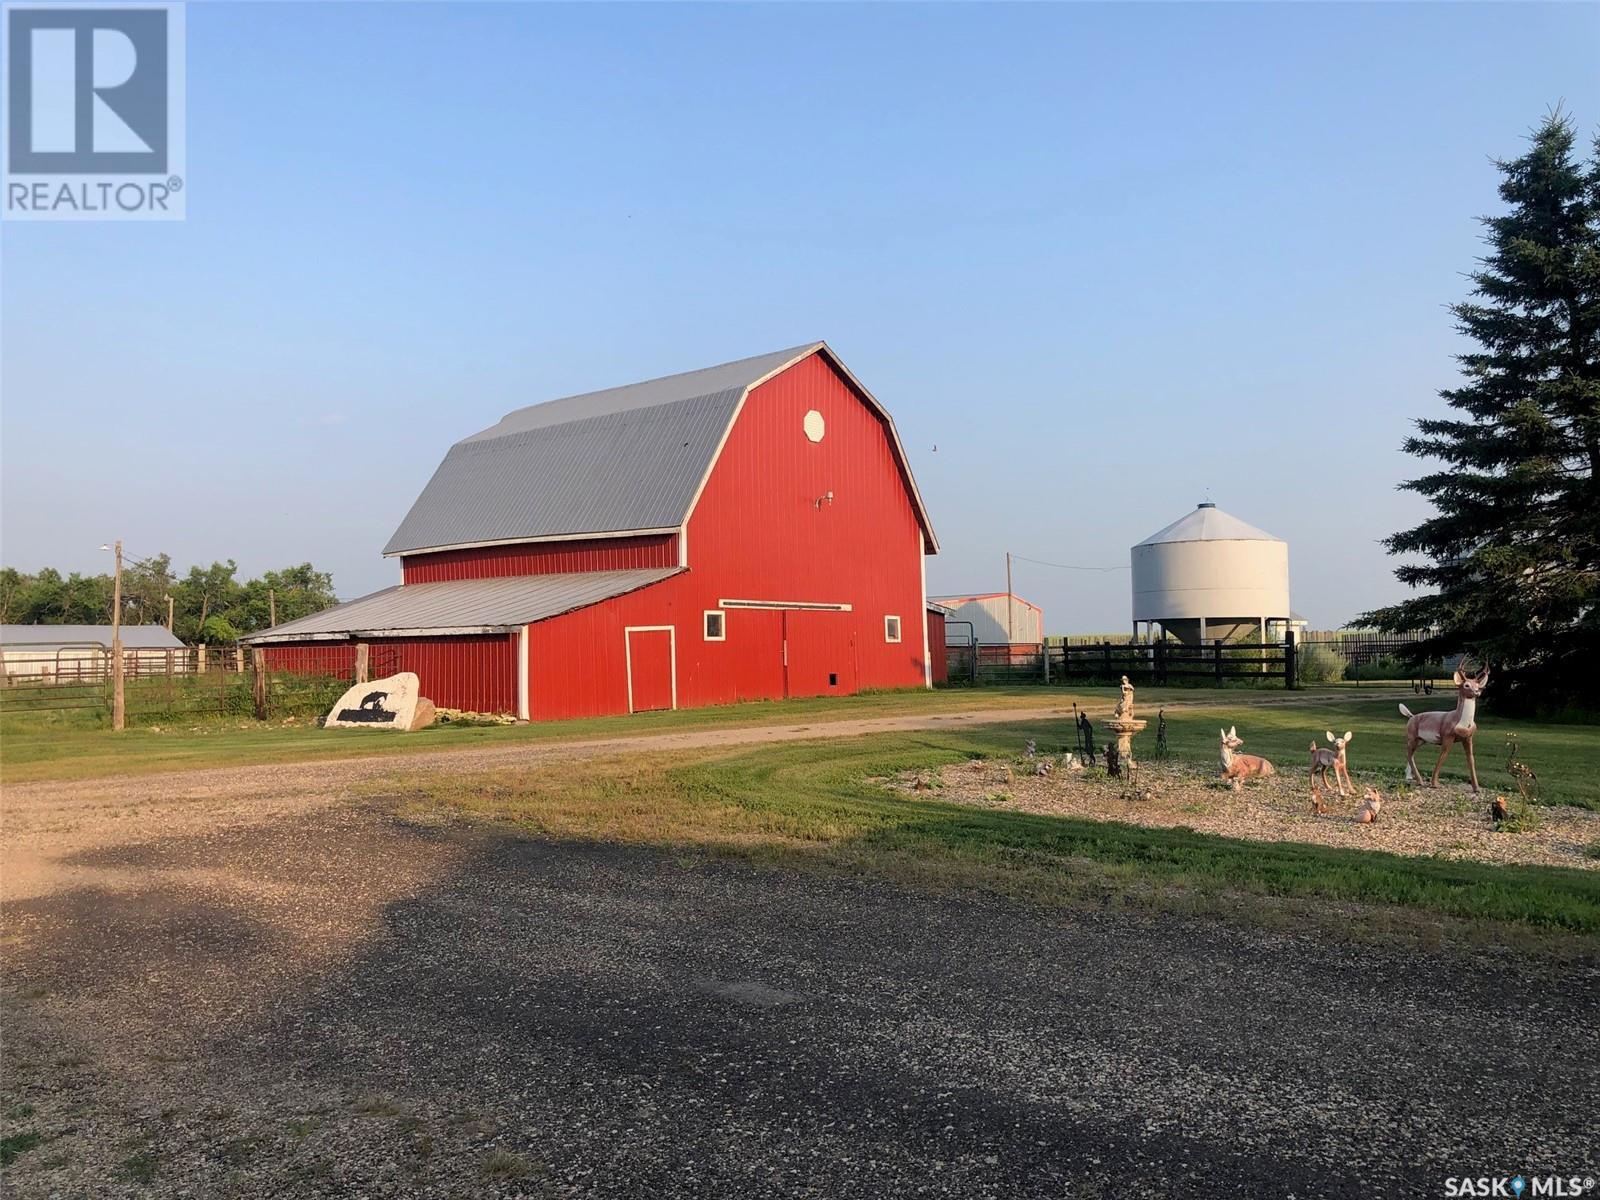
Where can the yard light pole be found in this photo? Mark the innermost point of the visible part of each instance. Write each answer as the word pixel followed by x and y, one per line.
pixel 117 711
pixel 1011 623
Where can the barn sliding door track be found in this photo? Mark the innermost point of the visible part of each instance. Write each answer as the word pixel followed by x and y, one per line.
pixel 809 605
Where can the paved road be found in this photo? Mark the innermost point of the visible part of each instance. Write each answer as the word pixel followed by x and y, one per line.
pixel 325 1001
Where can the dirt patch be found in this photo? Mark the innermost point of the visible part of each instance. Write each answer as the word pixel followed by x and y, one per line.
pixel 1444 822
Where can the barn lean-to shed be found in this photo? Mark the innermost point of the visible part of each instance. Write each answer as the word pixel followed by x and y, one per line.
pixel 747 531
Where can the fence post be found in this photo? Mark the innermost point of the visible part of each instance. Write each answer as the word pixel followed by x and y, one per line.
pixel 361 662
pixel 1289 671
pixel 1106 650
pixel 258 658
pixel 1044 653
pixel 1217 649
pixel 1159 664
pixel 238 658
pixel 200 659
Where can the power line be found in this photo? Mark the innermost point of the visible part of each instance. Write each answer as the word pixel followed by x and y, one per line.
pixel 1066 566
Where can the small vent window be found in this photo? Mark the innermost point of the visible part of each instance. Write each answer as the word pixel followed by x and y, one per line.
pixel 891 629
pixel 716 625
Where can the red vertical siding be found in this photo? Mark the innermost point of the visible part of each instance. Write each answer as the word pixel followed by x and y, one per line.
pixel 762 530
pixel 477 672
pixel 542 558
pixel 759 533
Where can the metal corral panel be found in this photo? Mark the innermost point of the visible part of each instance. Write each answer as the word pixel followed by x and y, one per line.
pixel 464 605
pixel 1210 565
pixel 990 617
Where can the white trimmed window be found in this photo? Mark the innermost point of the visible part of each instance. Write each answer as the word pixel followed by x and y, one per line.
pixel 716 626
pixel 891 629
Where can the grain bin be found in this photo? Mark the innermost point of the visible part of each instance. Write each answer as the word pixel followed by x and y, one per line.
pixel 1210 576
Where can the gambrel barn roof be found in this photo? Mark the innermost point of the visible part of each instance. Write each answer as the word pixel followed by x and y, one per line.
pixel 625 460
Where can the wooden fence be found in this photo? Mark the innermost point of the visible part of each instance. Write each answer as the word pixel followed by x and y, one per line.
pixel 1157 663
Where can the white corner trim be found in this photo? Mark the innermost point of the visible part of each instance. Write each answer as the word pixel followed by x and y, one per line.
pixel 524 701
pixel 927 654
pixel 716 457
pixel 627 654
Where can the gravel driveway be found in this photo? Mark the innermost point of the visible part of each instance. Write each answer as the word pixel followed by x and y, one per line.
pixel 320 1000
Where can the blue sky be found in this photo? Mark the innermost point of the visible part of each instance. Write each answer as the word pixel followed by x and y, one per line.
pixel 1109 259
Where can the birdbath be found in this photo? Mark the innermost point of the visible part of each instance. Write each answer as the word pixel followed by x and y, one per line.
pixel 1124 724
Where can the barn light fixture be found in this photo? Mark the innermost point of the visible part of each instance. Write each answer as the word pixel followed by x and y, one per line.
pixel 825 498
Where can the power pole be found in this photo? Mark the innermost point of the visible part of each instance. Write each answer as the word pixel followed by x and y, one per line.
pixel 272 608
pixel 118 713
pixel 1011 622
pixel 169 612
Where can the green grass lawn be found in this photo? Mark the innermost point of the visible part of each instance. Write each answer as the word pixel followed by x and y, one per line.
pixel 1565 757
pixel 1276 724
pixel 823 803
pixel 819 801
pixel 76 746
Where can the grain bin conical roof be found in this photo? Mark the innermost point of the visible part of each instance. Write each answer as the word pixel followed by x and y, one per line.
pixel 1208 523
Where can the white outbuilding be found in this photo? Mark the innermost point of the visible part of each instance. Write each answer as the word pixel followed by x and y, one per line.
pixel 997 618
pixel 1210 576
pixel 73 653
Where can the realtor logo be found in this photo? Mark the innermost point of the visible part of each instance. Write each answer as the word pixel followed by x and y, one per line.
pixel 94 124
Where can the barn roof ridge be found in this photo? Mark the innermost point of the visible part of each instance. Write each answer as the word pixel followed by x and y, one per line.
pixel 647 393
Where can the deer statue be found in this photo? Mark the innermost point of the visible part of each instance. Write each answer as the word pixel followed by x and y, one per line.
pixel 1236 768
pixel 1324 760
pixel 1445 728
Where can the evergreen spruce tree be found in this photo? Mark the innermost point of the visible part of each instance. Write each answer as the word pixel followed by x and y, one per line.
pixel 1512 552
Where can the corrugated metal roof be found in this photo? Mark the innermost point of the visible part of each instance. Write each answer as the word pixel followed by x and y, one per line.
pixel 465 605
pixel 134 637
pixel 627 459
pixel 1208 523
pixel 623 459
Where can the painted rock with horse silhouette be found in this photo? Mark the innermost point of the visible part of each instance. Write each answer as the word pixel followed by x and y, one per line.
pixel 389 703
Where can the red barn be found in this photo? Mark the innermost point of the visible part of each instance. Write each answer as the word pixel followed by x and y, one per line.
pixel 748 531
